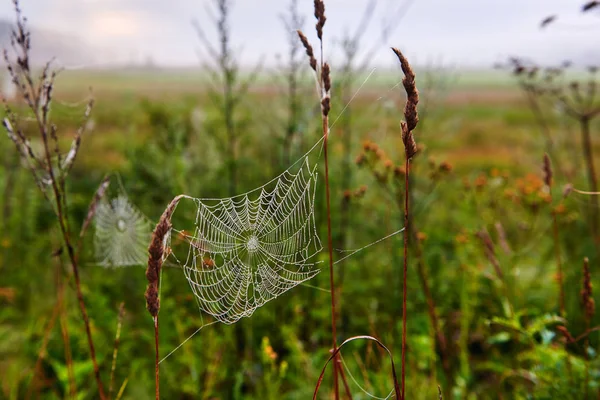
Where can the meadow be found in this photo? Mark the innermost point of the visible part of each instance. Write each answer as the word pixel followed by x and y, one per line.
pixel 494 234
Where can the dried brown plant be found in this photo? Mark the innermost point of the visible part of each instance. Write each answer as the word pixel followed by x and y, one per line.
pixel 50 168
pixel 411 118
pixel 323 75
pixel 157 253
pixel 324 79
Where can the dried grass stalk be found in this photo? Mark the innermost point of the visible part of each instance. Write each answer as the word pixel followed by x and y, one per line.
pixel 156 256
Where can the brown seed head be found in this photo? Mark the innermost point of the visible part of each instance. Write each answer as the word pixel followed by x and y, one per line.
pixel 320 16
pixel 547 168
pixel 325 76
pixel 410 146
pixel 309 50
pixel 412 94
pixel 326 105
pixel 156 252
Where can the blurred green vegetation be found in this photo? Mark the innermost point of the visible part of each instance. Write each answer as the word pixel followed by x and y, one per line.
pixel 479 168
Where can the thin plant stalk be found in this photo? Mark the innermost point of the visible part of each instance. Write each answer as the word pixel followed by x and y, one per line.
pixel 116 350
pixel 45 340
pixel 589 308
pixel 433 318
pixel 325 126
pixel 330 249
pixel 324 86
pixel 157 254
pixel 404 276
pixel 410 149
pixel 64 328
pixel 547 170
pixel 63 223
pixel 591 171
pixel 156 360
pixel 560 280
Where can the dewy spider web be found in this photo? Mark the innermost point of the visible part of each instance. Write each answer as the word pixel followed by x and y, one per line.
pixel 122 232
pixel 249 249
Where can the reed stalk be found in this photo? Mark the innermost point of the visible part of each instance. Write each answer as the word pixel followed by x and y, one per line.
pixel 157 254
pixel 410 149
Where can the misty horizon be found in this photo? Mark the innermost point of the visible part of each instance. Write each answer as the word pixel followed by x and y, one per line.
pixel 465 34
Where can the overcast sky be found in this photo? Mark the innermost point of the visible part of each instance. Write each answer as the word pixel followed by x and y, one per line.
pixel 459 32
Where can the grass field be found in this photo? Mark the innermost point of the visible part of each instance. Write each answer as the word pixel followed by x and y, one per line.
pixel 479 169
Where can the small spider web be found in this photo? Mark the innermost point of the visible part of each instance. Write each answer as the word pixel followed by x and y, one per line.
pixel 249 249
pixel 122 233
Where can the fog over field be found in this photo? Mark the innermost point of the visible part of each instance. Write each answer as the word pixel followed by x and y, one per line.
pixel 464 33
